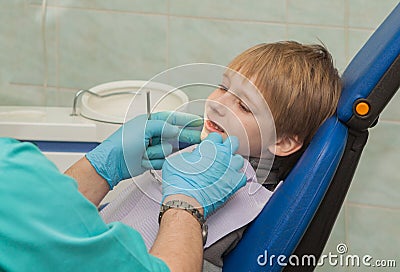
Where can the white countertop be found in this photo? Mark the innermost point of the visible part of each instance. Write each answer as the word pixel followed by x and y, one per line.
pixel 50 124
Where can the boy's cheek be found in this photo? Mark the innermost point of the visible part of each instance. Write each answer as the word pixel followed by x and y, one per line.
pixel 244 146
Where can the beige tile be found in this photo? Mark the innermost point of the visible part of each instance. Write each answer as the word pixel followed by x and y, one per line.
pixel 316 12
pixel 197 40
pixel 357 39
pixel 150 6
pixel 377 177
pixel 392 110
pixel 97 47
pixel 369 13
pixel 373 231
pixel 23 95
pixel 253 10
pixel 22 44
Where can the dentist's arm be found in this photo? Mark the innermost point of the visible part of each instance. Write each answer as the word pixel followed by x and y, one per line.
pixel 93 186
pixel 179 242
pixel 205 179
pixel 131 150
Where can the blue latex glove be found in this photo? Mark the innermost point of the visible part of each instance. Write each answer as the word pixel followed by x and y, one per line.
pixel 210 173
pixel 131 150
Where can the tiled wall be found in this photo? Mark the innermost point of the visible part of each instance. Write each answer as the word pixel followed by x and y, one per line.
pixel 48 54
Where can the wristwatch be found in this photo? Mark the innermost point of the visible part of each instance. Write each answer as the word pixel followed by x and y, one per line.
pixel 183 205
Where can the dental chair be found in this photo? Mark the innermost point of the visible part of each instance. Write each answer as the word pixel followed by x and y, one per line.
pixel 299 217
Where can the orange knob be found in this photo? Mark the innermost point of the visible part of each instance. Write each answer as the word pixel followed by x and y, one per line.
pixel 362 108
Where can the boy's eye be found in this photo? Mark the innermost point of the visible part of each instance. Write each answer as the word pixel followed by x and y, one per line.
pixel 241 104
pixel 223 88
pixel 244 107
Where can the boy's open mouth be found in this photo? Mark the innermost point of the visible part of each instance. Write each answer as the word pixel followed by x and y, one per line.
pixel 213 127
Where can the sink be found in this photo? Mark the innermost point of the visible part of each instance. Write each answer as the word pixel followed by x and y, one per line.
pixel 115 102
pixel 99 116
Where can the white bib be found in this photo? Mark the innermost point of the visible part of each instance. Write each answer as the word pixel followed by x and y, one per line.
pixel 138 206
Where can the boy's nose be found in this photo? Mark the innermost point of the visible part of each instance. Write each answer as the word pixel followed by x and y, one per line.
pixel 217 107
pixel 220 104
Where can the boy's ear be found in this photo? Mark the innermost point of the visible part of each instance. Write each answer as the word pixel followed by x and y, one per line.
pixel 286 145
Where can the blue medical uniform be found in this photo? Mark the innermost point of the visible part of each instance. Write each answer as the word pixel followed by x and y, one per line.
pixel 47 225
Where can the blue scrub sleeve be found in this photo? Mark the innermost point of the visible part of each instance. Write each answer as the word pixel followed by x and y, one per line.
pixel 47 225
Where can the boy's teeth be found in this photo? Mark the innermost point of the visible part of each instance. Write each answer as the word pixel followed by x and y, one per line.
pixel 216 126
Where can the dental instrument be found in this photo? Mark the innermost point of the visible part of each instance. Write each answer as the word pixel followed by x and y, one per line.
pixel 148 104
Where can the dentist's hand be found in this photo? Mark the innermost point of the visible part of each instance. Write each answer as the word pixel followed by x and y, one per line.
pixel 140 145
pixel 210 174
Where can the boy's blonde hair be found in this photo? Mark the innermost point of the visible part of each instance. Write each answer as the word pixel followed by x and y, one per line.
pixel 299 83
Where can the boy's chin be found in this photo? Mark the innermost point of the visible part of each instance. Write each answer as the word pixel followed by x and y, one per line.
pixel 203 135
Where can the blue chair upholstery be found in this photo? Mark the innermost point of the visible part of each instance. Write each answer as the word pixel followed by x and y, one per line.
pixel 299 216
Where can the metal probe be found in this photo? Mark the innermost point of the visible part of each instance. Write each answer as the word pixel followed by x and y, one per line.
pixel 148 104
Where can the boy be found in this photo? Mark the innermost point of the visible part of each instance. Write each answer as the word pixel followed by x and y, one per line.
pixel 295 84
pixel 300 86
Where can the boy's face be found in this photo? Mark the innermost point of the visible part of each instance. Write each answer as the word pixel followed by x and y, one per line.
pixel 237 108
